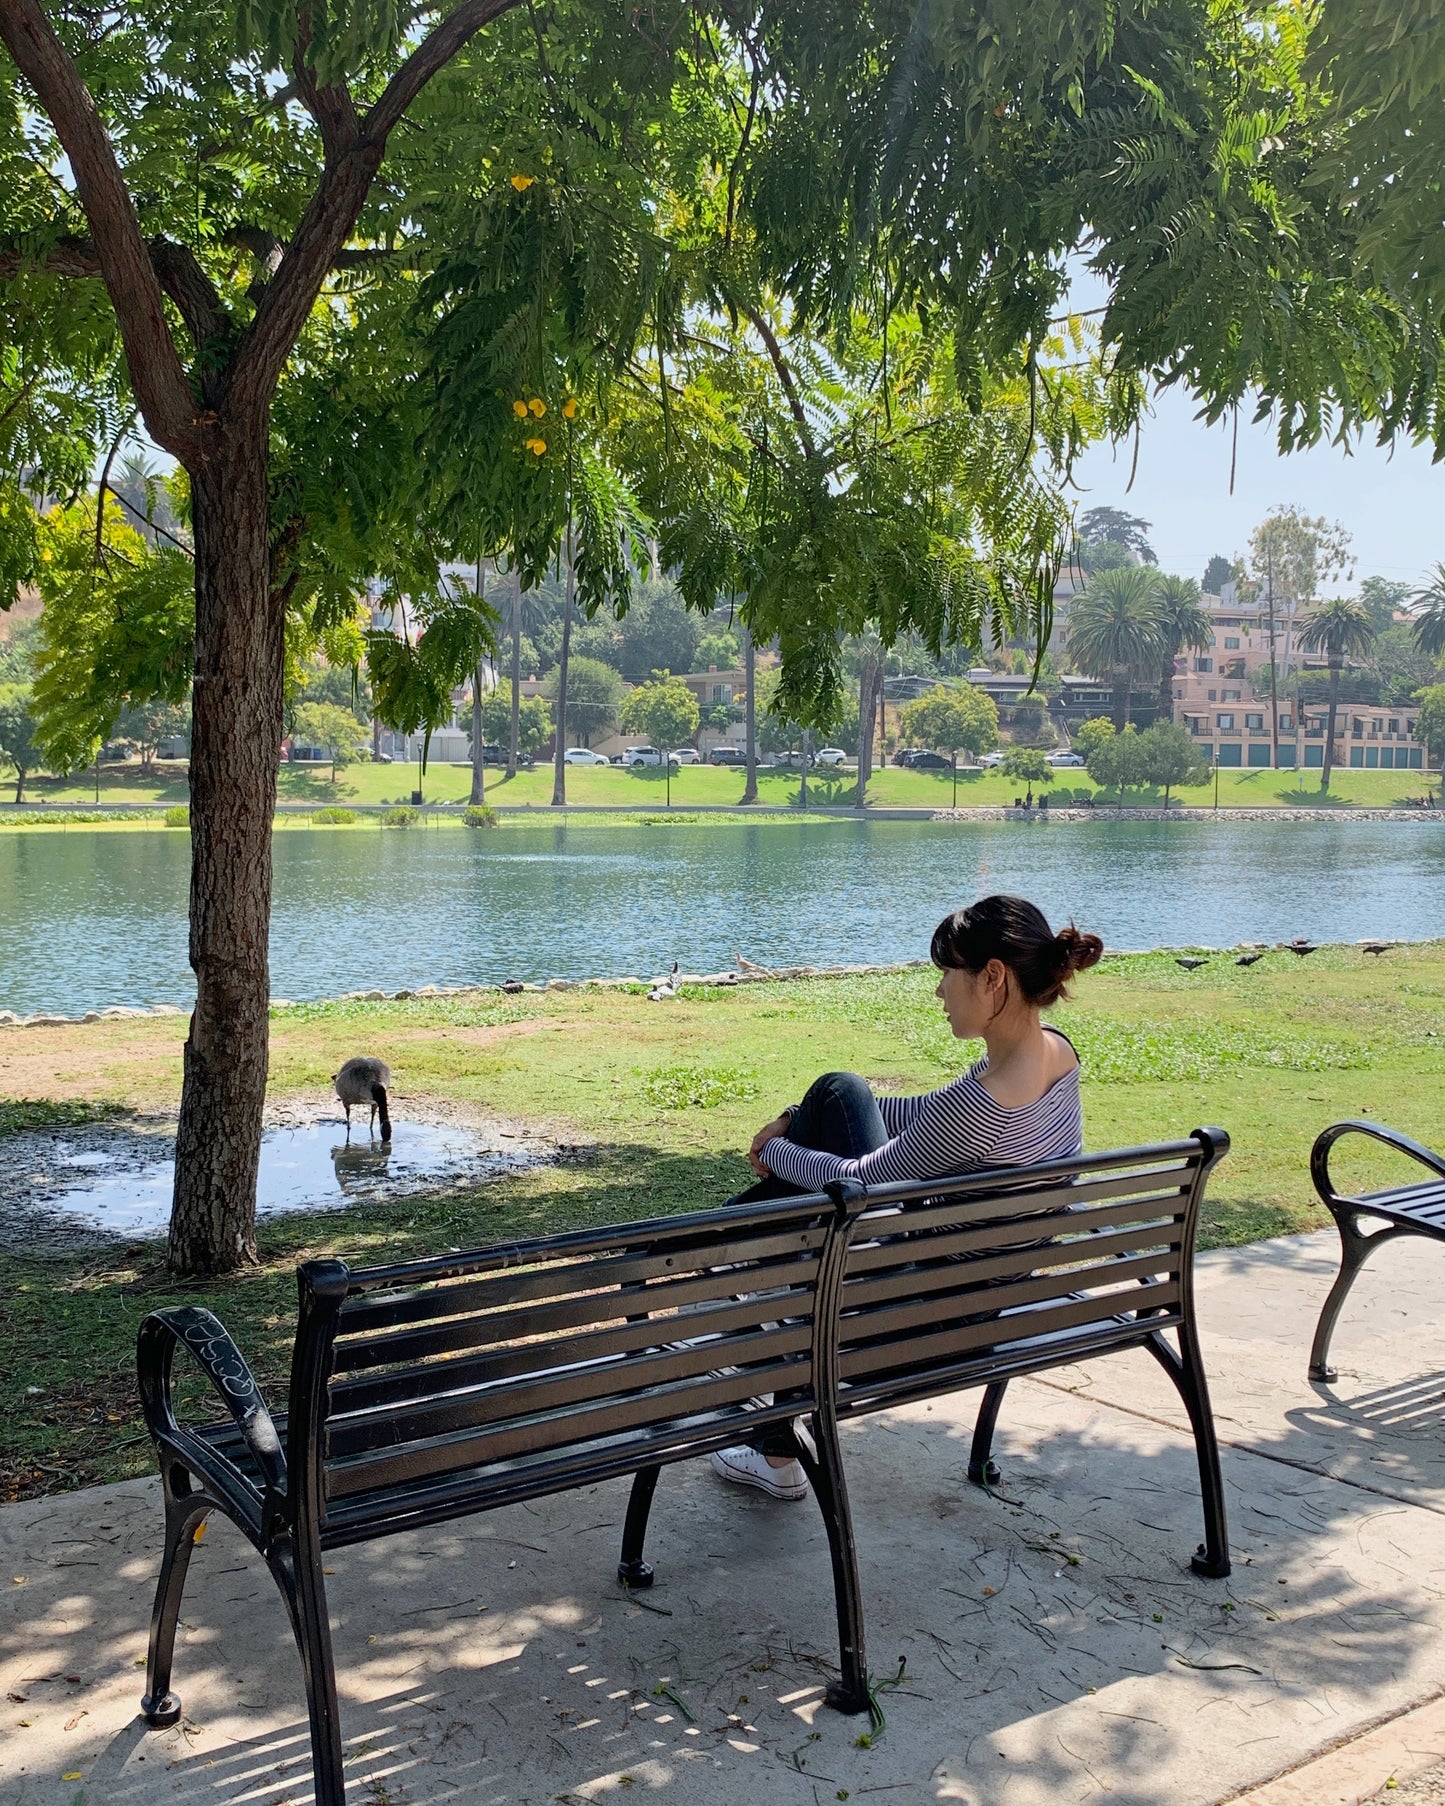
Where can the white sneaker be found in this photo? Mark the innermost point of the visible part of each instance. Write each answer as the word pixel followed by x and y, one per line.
pixel 746 1467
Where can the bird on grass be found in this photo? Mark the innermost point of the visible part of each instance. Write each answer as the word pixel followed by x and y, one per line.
pixel 664 988
pixel 1191 965
pixel 744 964
pixel 1302 947
pixel 1376 947
pixel 363 1081
pixel 1248 959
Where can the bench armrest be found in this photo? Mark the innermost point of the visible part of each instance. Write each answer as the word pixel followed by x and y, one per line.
pixel 1392 1138
pixel 208 1342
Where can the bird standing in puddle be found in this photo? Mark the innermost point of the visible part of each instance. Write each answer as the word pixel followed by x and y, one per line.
pixel 363 1081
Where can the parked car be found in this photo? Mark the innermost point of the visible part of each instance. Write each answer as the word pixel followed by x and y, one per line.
pixel 1065 758
pixel 686 755
pixel 493 753
pixel 582 755
pixel 829 755
pixel 793 760
pixel 638 756
pixel 727 755
pixel 992 759
pixel 918 758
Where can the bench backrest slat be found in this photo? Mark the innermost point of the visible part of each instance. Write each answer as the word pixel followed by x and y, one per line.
pixel 560 1347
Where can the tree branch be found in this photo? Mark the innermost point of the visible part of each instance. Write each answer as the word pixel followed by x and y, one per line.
pixel 333 210
pixel 785 376
pixel 158 379
pixel 330 106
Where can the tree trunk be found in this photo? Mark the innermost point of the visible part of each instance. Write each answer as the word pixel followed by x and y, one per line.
pixel 479 779
pixel 1166 689
pixel 513 746
pixel 559 750
pixel 235 745
pixel 1329 764
pixel 872 667
pixel 20 777
pixel 750 670
pixel 1121 701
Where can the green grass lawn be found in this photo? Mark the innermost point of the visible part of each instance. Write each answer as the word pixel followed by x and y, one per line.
pixel 668 1095
pixel 720 786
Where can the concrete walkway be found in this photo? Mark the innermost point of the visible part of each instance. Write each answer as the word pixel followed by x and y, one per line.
pixel 1055 1646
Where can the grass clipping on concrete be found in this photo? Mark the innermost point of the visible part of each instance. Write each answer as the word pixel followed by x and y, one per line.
pixel 667 1095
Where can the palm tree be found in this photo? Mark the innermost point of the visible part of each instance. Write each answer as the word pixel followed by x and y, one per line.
pixel 1185 625
pixel 1116 630
pixel 1343 629
pixel 1429 629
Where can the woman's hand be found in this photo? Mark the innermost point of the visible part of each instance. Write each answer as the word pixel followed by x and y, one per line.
pixel 778 1126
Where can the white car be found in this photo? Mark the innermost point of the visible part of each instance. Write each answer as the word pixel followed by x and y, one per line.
pixel 686 755
pixel 992 759
pixel 638 756
pixel 582 755
pixel 829 755
pixel 1065 758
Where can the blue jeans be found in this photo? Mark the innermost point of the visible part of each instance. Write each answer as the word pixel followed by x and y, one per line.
pixel 838 1115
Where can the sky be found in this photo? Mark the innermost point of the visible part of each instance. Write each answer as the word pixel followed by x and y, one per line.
pixel 1393 505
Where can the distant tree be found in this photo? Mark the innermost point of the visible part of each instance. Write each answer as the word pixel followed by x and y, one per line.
pixel 594 698
pixel 534 720
pixel 664 709
pixel 962 720
pixel 1168 755
pixel 1112 526
pixel 1116 631
pixel 1026 765
pixel 1216 574
pixel 658 632
pixel 1292 556
pixel 337 684
pixel 1401 666
pixel 1381 599
pixel 17 652
pixel 1429 603
pixel 1090 734
pixel 1100 555
pixel 720 649
pixel 334 729
pixel 1118 763
pixel 147 724
pixel 1430 726
pixel 1342 629
pixel 19 731
pixel 1183 626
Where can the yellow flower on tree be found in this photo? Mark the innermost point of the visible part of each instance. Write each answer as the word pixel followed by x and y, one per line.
pixel 536 446
pixel 519 408
pixel 522 183
pixel 538 406
pixel 569 408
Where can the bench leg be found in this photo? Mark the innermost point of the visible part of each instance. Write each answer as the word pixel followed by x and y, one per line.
pixel 185 1512
pixel 1355 1250
pixel 632 1570
pixel 982 1470
pixel 1186 1369
pixel 824 1468
pixel 304 1591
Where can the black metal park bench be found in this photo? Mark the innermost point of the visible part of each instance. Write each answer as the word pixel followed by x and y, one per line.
pixel 1417 1209
pixel 429 1390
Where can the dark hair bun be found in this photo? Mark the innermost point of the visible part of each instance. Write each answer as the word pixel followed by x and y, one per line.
pixel 1077 952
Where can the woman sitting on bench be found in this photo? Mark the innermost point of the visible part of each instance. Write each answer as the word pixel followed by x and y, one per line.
pixel 1000 964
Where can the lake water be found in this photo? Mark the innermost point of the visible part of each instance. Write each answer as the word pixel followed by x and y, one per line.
pixel 89 919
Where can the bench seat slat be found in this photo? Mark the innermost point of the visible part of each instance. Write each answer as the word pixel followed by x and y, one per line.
pixel 661 1304
pixel 887 1250
pixel 565 1428
pixel 458 1318
pixel 869 1358
pixel 912 1278
pixel 556 1387
pixel 550 1277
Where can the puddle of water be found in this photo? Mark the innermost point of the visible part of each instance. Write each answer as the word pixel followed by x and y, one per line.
pixel 118 1184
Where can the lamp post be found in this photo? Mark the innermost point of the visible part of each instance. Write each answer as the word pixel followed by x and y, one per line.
pixel 955 777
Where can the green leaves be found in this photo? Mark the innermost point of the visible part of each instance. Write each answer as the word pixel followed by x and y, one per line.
pixel 412 682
